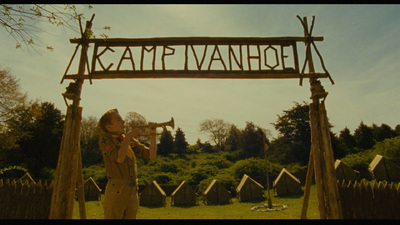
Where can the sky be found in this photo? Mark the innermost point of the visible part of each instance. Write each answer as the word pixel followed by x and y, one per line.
pixel 360 50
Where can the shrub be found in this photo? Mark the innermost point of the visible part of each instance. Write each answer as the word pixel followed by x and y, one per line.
pixel 219 161
pixel 13 172
pixel 169 167
pixel 163 178
pixel 253 167
pixel 201 173
pixel 96 172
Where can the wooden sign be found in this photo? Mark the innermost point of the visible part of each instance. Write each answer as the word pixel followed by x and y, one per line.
pixel 195 57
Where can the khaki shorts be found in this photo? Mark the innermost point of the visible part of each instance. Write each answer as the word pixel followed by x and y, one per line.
pixel 121 200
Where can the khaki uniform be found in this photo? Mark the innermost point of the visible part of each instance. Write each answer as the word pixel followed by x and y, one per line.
pixel 121 199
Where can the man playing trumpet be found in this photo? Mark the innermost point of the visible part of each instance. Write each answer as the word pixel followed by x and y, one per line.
pixel 119 150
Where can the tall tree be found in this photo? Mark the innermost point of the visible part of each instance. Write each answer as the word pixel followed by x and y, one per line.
pixel 90 132
pixel 252 141
pixel 294 129
pixel 180 141
pixel 382 132
pixel 166 145
pixel 218 129
pixel 233 140
pixel 37 129
pixel 364 137
pixel 347 139
pixel 10 95
pixel 133 119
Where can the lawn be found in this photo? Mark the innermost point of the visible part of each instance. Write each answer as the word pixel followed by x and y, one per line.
pixel 233 210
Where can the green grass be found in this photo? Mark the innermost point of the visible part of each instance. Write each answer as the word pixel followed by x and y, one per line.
pixel 233 210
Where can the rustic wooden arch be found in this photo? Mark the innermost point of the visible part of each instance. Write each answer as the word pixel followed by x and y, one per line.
pixel 69 168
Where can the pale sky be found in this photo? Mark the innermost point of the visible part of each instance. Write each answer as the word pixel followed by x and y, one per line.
pixel 360 50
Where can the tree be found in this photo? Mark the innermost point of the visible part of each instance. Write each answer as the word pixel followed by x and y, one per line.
pixel 133 119
pixel 294 129
pixel 180 142
pixel 37 129
pixel 90 133
pixel 21 21
pixel 233 140
pixel 364 137
pixel 10 95
pixel 382 132
pixel 166 145
pixel 347 139
pixel 252 141
pixel 218 130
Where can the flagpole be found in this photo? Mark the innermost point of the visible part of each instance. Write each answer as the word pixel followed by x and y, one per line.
pixel 266 147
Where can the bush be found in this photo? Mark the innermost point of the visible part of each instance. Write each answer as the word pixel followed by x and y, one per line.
pixel 360 162
pixel 253 167
pixel 13 172
pixel 96 172
pixel 163 178
pixel 201 173
pixel 169 167
pixel 219 161
pixel 47 173
pixel 389 148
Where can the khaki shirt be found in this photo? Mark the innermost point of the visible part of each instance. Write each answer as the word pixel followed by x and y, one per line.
pixel 127 170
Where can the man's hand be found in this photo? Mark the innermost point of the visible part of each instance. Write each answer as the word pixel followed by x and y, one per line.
pixel 152 128
pixel 134 133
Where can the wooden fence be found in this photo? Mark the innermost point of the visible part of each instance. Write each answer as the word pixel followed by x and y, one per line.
pixel 370 200
pixel 25 199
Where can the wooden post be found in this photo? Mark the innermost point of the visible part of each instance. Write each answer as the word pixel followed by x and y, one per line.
pixel 307 187
pixel 69 160
pixel 321 155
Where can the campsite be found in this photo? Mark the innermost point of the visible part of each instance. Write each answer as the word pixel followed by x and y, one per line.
pixel 219 157
pixel 232 210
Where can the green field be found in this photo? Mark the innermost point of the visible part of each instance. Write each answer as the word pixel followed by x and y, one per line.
pixel 233 210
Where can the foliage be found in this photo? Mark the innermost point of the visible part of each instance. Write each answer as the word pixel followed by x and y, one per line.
pixel 360 161
pixel 22 21
pixel 37 129
pixel 233 141
pixel 202 172
pixel 363 136
pixel 10 95
pixel 294 130
pixel 218 130
pixel 253 167
pixel 96 172
pixel 13 172
pixel 89 140
pixel 180 142
pixel 389 148
pixel 251 140
pixel 166 145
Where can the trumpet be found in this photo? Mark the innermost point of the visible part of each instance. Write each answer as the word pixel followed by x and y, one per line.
pixel 170 123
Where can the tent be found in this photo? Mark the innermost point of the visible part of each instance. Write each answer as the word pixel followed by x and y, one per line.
pixel 183 195
pixel 216 194
pixel 344 172
pixel 91 190
pixel 384 169
pixel 27 177
pixel 248 190
pixel 152 195
pixel 286 183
